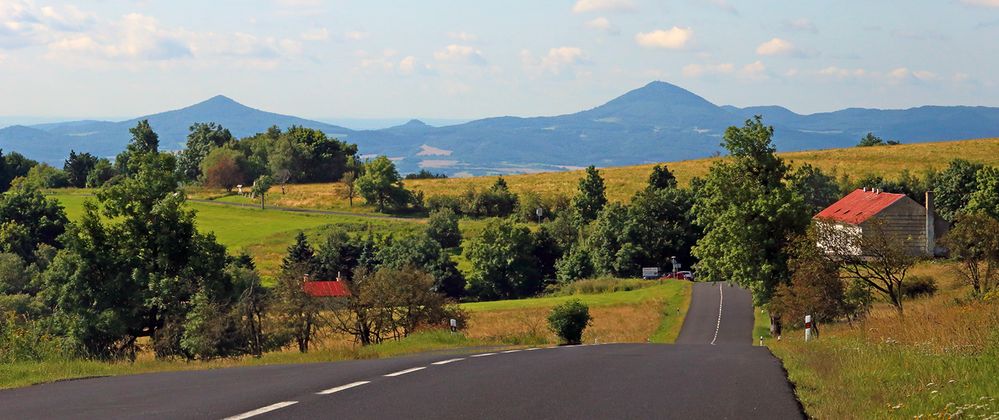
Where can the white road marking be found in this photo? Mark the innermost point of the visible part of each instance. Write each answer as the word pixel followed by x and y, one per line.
pixel 721 300
pixel 482 355
pixel 341 388
pixel 444 362
pixel 263 410
pixel 532 349
pixel 403 372
pixel 510 351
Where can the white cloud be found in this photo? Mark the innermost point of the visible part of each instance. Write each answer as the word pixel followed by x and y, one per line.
pixel 698 70
pixel 555 62
pixel 925 75
pixel 982 3
pixel 463 36
pixel 754 70
pixel 317 34
pixel 899 74
pixel 459 53
pixel 355 35
pixel 843 73
pixel 776 46
pixel 23 24
pixel 603 24
pixel 407 65
pixel 673 38
pixel 583 6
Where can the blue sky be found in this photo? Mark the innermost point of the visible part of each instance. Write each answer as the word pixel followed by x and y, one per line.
pixel 469 59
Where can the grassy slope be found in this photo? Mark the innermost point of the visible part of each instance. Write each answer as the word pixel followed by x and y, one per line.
pixel 941 359
pixel 623 182
pixel 490 326
pixel 265 234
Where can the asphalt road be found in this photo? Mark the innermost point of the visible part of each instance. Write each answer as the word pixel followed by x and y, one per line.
pixel 695 379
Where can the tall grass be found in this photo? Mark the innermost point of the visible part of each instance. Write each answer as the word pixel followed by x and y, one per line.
pixel 940 359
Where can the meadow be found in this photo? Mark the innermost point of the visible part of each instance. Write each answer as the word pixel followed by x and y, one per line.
pixel 940 359
pixel 634 313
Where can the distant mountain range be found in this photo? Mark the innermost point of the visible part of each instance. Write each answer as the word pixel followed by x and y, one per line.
pixel 659 122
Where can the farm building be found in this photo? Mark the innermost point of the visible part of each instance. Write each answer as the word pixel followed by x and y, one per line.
pixel 325 288
pixel 894 214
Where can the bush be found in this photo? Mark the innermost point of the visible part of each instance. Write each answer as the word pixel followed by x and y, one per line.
pixel 916 286
pixel 568 321
pixel 443 228
pixel 601 285
pixel 441 202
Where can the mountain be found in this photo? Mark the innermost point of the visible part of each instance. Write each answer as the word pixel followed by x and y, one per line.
pixel 658 122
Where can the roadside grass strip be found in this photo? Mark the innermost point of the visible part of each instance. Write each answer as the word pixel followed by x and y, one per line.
pixel 341 388
pixel 403 372
pixel 259 411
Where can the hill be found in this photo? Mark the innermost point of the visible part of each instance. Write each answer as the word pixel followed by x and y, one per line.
pixel 658 122
pixel 622 182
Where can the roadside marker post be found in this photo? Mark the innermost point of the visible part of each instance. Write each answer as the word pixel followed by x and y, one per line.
pixel 454 325
pixel 808 328
pixel 761 341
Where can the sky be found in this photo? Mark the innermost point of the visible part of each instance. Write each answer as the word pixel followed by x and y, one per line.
pixel 453 59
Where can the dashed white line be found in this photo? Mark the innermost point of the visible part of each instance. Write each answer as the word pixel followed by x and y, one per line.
pixel 341 388
pixel 511 351
pixel 403 372
pixel 532 349
pixel 483 355
pixel 444 362
pixel 263 410
pixel 721 301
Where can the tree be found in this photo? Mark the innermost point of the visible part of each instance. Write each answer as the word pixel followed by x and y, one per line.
pixel 661 178
pixel 299 254
pixel 425 254
pixel 815 288
pixel 224 168
pixel 144 141
pixel 260 188
pixel 954 187
pixel 16 165
pixel 30 219
pixel 201 140
pixel 749 213
pixel 78 167
pixel 974 243
pixel 878 257
pixel 503 262
pixel 286 156
pixel 985 198
pixel 871 140
pixel 590 198
pixel 42 176
pixel 102 172
pixel 817 189
pixel 442 226
pixel 301 315
pixel 348 181
pixel 382 185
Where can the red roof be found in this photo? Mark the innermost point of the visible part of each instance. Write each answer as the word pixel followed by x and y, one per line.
pixel 326 289
pixel 859 206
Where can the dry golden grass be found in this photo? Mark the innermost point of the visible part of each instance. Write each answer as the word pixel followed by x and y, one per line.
pixel 940 359
pixel 622 182
pixel 633 323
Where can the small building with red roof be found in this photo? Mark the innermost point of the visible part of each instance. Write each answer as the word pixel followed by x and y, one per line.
pixel 895 214
pixel 325 288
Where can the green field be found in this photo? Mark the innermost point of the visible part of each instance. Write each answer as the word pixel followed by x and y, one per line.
pixel 265 234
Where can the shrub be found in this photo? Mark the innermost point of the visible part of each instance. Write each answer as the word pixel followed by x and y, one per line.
pixel 601 285
pixel 568 321
pixel 916 286
pixel 441 202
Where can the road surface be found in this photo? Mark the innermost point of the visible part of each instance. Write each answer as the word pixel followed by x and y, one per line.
pixel 690 380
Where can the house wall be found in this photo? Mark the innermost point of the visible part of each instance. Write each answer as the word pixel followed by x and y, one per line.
pixel 904 219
